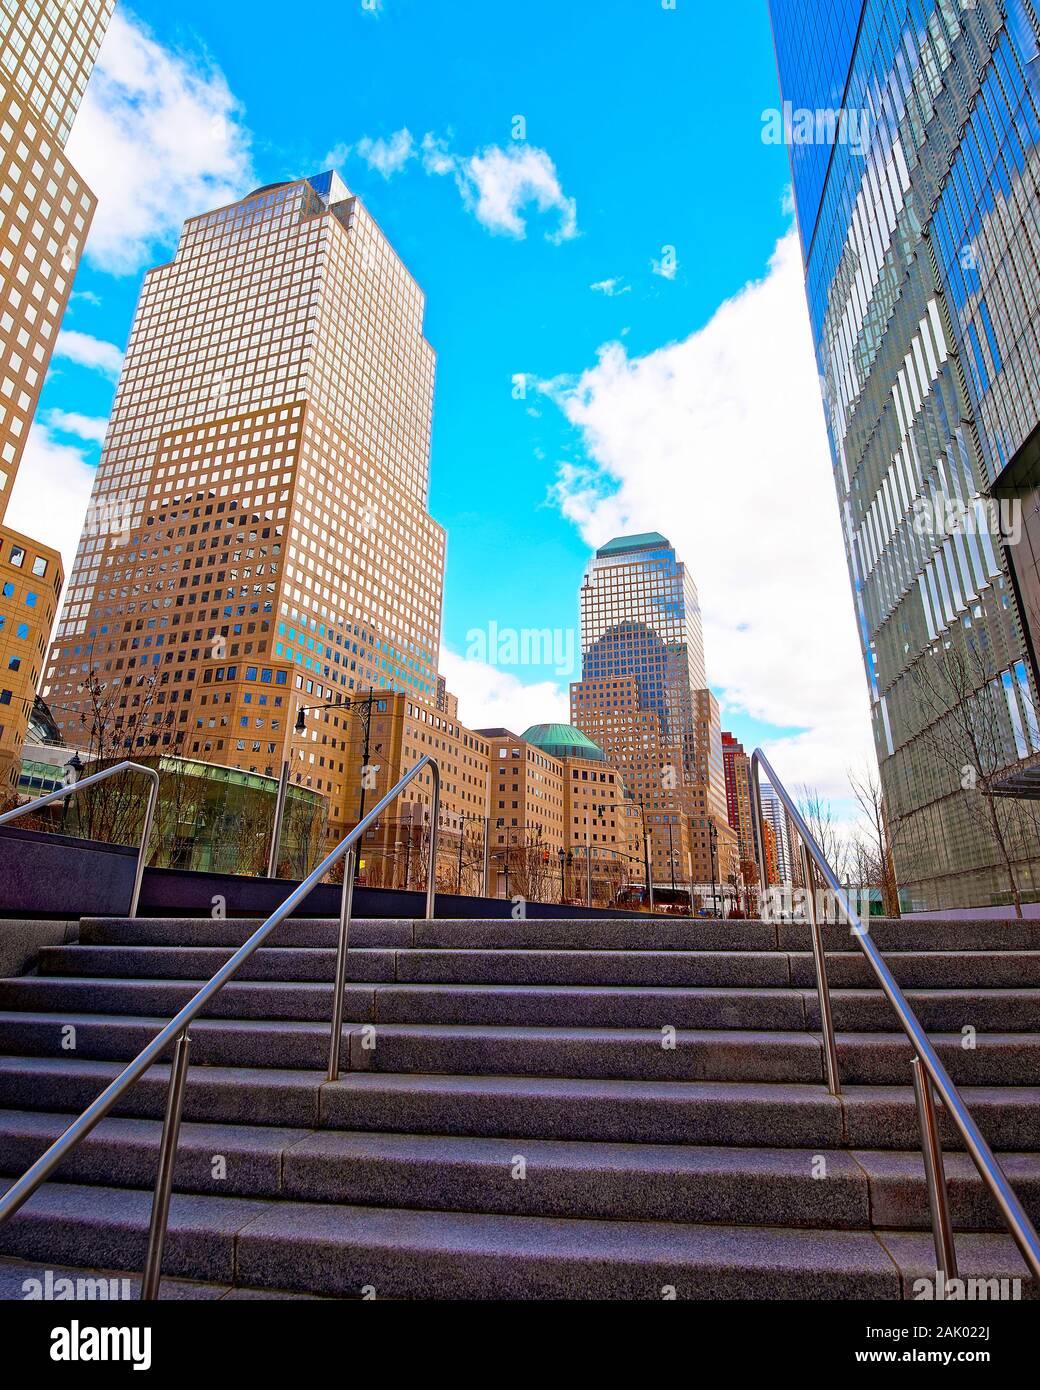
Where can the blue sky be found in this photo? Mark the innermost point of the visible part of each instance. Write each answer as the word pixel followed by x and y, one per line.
pixel 643 131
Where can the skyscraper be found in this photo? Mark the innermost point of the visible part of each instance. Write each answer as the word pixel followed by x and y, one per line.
pixel 47 52
pixel 258 539
pixel 643 695
pixel 918 212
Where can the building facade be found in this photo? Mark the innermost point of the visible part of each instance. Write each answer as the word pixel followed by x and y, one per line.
pixel 643 698
pixel 258 541
pixel 30 585
pixel 737 766
pixel 386 743
pixel 918 215
pixel 47 52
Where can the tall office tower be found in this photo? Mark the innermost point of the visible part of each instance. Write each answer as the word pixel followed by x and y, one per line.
pixel 258 539
pixel 738 806
pixel 774 811
pixel 643 696
pixel 918 213
pixel 47 52
pixel 640 617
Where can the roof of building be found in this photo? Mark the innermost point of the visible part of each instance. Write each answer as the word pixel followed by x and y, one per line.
pixel 563 741
pixel 623 545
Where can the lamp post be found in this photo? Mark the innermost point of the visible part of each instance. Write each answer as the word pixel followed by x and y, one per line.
pixel 347 707
pixel 73 768
pixel 563 869
pixel 713 840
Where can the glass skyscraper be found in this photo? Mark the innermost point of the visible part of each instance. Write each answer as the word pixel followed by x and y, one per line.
pixel 918 214
pixel 643 695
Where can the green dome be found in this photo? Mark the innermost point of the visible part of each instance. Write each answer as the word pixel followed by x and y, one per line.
pixel 564 741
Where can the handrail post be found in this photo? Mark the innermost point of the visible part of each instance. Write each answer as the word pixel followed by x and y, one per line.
pixel 346 908
pixel 935 1175
pixel 159 1223
pixel 435 819
pixel 823 993
pixel 279 816
pixel 146 834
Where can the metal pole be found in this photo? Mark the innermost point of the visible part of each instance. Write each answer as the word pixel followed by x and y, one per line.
pixel 142 853
pixel 689 856
pixel 588 870
pixel 935 1174
pixel 279 814
pixel 346 907
pixel 649 873
pixel 830 1049
pixel 487 855
pixel 157 1228
pixel 435 824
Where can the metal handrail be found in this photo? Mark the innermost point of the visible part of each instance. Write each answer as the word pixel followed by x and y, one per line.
pixel 929 1074
pixel 176 1032
pixel 78 786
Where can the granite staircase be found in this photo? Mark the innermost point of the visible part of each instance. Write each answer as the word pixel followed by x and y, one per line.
pixel 544 1109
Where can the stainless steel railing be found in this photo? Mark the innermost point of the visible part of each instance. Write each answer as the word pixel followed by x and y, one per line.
pixel 81 785
pixel 176 1032
pixel 929 1074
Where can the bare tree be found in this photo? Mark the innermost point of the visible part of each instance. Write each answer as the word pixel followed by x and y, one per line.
pixel 819 816
pixel 876 863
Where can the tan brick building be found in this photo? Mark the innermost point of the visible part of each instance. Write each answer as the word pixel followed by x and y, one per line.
pixel 30 584
pixel 261 542
pixel 46 56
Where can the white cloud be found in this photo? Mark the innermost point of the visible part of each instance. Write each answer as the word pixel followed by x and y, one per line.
pixel 87 351
pixel 389 156
pixel 158 138
pixel 719 442
pixel 88 427
pixel 492 698
pixel 611 288
pixel 51 493
pixel 499 186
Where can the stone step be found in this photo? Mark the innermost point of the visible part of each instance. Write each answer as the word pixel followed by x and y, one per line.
pixel 630 934
pixel 658 1182
pixel 662 1052
pixel 352 1251
pixel 620 1006
pixel 346 1250
pixel 644 1111
pixel 444 1173
pixel 230 1095
pixel 690 1055
pixel 848 970
pixel 28 1279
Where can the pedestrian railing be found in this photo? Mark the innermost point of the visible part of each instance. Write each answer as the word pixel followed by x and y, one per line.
pixel 928 1073
pixel 176 1031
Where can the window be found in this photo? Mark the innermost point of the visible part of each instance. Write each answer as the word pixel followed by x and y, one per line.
pixel 39 567
pixel 5 697
pixel 17 556
pixel 23 630
pixel 15 663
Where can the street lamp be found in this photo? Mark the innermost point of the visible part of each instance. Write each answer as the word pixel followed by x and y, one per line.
pixel 563 869
pixel 713 840
pixel 348 707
